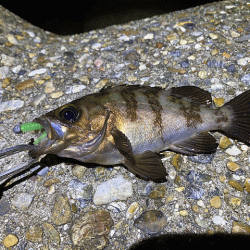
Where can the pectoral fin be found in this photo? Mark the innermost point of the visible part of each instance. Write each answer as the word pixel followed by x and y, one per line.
pixel 147 165
pixel 203 143
pixel 123 145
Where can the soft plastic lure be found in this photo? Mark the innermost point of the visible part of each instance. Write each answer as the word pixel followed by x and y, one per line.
pixel 18 129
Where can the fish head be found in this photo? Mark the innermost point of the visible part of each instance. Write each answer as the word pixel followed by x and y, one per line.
pixel 65 126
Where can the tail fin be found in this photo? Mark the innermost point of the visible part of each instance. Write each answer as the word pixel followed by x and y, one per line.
pixel 239 125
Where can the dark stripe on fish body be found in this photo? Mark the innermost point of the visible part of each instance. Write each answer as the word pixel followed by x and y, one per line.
pixel 153 100
pixel 131 104
pixel 192 114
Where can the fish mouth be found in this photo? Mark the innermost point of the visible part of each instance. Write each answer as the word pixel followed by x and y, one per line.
pixel 49 138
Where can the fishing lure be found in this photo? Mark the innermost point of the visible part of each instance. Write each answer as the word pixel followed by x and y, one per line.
pixel 132 125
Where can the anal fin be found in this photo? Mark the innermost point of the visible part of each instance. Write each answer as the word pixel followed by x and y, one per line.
pixel 202 143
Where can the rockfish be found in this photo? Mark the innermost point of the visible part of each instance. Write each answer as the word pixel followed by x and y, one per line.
pixel 131 125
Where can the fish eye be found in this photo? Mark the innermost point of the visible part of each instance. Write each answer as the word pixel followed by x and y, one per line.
pixel 69 114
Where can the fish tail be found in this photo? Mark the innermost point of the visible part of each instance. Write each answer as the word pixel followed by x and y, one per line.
pixel 238 124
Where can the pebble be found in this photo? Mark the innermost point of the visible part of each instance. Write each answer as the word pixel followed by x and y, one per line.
pixel 202 74
pixel 75 89
pixel 11 105
pixel 215 63
pixel 91 229
pixel 219 102
pixel 56 95
pixel 4 206
pixel 34 234
pixel 51 232
pixel 232 166
pixel 10 240
pixel 215 202
pixel 243 61
pixel 27 84
pixel 78 190
pixel 158 192
pixel 79 171
pixel 22 200
pixel 218 220
pixel 234 34
pixel 225 142
pixel 4 72
pixel 96 46
pixel 183 213
pixel 49 87
pixel 202 158
pixel 177 161
pixel 151 222
pixel 245 78
pixel 12 39
pixel 194 192
pixel 7 60
pixel 38 99
pixel 235 185
pixel 132 210
pixel 176 53
pixel 213 36
pixel 233 151
pixel 61 212
pixel 201 222
pixel 37 72
pixel 231 68
pixel 239 227
pixel 195 177
pixel 235 202
pixel 149 36
pixel 246 185
pixel 115 189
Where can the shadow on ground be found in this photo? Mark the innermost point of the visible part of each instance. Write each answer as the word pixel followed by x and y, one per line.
pixel 193 241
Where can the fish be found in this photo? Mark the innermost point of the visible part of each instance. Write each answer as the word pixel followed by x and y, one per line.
pixel 132 125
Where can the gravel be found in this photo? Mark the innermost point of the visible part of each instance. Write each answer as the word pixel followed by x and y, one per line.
pixel 206 46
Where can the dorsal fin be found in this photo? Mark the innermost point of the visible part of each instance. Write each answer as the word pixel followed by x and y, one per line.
pixel 197 95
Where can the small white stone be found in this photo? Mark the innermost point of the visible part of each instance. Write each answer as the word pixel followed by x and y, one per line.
pixel 231 84
pixel 200 203
pixel 7 60
pixel 218 220
pixel 31 34
pixel 96 46
pixel 149 36
pixel 142 67
pixel 243 61
pixel 216 87
pixel 3 72
pixel 234 151
pixel 234 33
pixel 12 39
pixel 49 87
pixel 213 36
pixel 38 99
pixel 75 89
pixel 16 69
pixel 11 105
pixel 115 189
pixel 37 72
pixel 132 210
pixel 123 38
